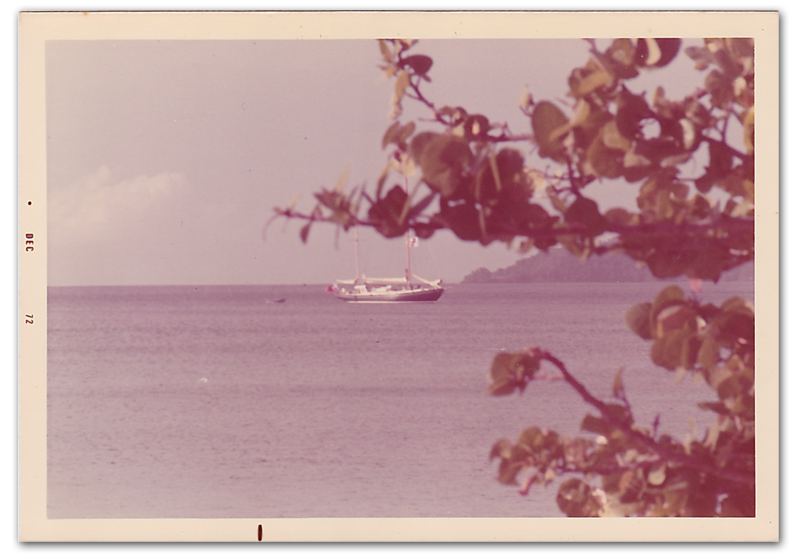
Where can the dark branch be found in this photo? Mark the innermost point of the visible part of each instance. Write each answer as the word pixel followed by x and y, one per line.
pixel 647 441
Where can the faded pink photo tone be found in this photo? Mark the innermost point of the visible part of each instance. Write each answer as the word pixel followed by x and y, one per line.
pixel 165 159
pixel 199 365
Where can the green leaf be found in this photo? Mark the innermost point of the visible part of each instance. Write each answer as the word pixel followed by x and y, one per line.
pixel 443 161
pixel 720 88
pixel 733 386
pixel 605 161
pixel 533 215
pixel 720 159
pixel 476 126
pixel 545 119
pixel 632 109
pixel 618 412
pixel 748 132
pixel 597 79
pixel 671 295
pixel 708 354
pixel 620 57
pixel 595 425
pixel 421 205
pixel 388 213
pixel 462 219
pixel 638 320
pixel 405 132
pixel 532 438
pixel 382 179
pixel 737 304
pixel 701 55
pixel 501 448
pixel 502 366
pixel 508 473
pixel 576 499
pixel 618 389
pixel 403 81
pixel 304 232
pixel 390 134
pixel 419 142
pixel 518 366
pixel 419 63
pixel 502 387
pixel 619 216
pixel 386 52
pixel 667 351
pixel 706 182
pixel 715 406
pixel 613 139
pixel 341 182
pixel 656 52
pixel 656 477
pixel 585 211
pixel 510 163
pixel 689 351
pixel 674 317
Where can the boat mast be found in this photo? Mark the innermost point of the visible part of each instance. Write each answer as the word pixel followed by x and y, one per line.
pixel 408 246
pixel 358 267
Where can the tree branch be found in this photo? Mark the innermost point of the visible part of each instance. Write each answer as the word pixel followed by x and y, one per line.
pixel 626 427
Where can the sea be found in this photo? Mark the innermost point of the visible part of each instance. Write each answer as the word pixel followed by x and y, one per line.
pixel 284 402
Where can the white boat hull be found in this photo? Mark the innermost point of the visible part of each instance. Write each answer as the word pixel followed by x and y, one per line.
pixel 398 295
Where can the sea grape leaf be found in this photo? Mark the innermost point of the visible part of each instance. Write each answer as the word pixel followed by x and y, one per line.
pixel 419 142
pixel 546 118
pixel 421 205
pixel 605 161
pixel 476 126
pixel 656 477
pixel 714 406
pixel 390 134
pixel 403 81
pixel 388 213
pixel 501 448
pixel 443 160
pixel 576 499
pixel 462 219
pixel 621 54
pixel 667 351
pixel 508 473
pixel 674 317
pixel 405 132
pixel 618 389
pixel 671 295
pixel 748 131
pixel 304 232
pixel 585 211
pixel 419 63
pixel 638 320
pixel 595 425
pixel 597 79
pixel 386 52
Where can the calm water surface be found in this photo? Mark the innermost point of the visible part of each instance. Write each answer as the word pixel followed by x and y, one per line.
pixel 219 402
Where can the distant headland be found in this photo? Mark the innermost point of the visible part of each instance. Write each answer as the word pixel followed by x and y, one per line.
pixel 559 266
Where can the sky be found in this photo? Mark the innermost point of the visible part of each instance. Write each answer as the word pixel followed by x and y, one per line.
pixel 166 158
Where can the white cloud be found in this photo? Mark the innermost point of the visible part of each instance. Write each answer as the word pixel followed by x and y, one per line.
pixel 97 206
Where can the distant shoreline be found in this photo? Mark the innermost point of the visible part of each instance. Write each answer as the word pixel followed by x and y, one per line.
pixel 559 266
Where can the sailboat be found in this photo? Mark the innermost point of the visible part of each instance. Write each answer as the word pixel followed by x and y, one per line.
pixel 412 288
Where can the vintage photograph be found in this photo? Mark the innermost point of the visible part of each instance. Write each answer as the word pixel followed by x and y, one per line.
pixel 404 276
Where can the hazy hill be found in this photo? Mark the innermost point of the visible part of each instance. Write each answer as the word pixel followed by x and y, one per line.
pixel 560 266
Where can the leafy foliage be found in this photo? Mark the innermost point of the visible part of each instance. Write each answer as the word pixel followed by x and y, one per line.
pixel 485 191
